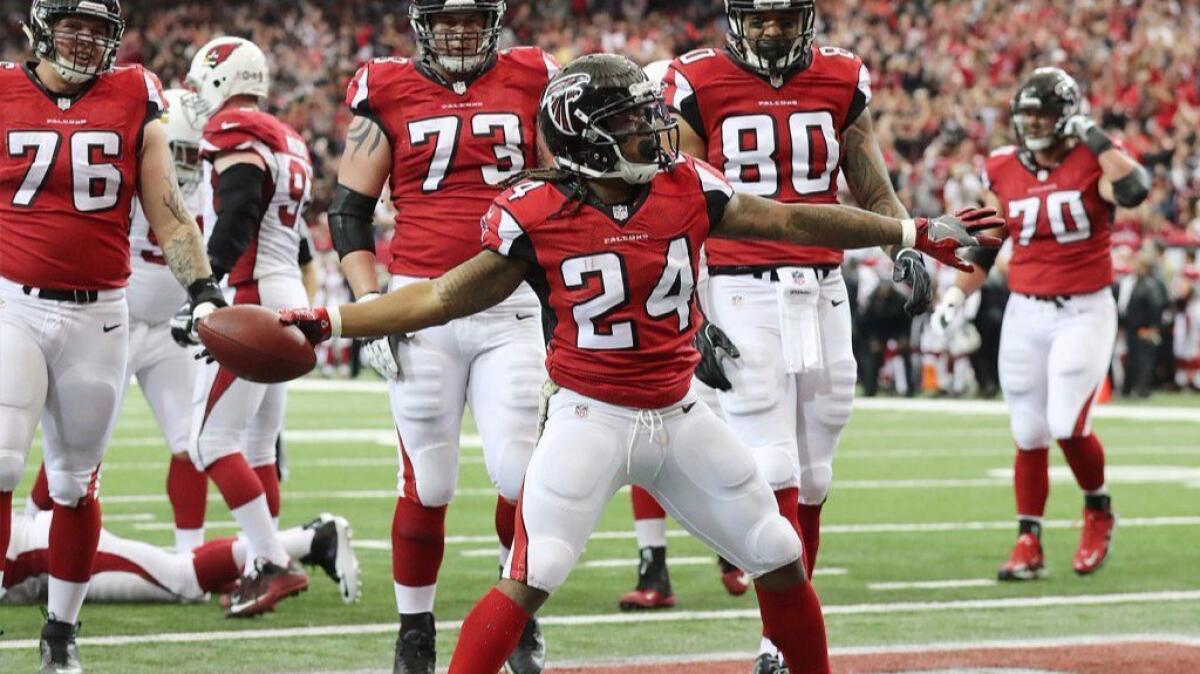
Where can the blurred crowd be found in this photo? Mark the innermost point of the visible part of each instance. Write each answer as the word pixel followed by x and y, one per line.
pixel 943 72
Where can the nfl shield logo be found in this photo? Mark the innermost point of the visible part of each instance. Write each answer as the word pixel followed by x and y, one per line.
pixel 64 104
pixel 460 88
pixel 581 411
pixel 621 212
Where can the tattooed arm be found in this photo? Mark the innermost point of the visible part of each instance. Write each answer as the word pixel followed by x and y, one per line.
pixel 366 164
pixel 865 171
pixel 829 226
pixel 481 282
pixel 173 226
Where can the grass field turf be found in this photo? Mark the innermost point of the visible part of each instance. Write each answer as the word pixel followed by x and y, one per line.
pixel 895 467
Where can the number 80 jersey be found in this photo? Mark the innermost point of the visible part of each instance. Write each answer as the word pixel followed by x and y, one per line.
pixel 452 147
pixel 780 143
pixel 68 172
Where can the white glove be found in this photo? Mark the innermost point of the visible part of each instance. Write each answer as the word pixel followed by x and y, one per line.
pixel 948 310
pixel 378 352
pixel 1077 126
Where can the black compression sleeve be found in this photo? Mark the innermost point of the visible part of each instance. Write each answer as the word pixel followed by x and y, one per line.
pixel 1133 189
pixel 984 258
pixel 351 221
pixel 240 208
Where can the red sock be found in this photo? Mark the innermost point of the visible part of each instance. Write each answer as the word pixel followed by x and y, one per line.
pixel 74 537
pixel 792 620
pixel 237 482
pixel 645 507
pixel 215 564
pixel 41 491
pixel 489 634
pixel 269 477
pixel 810 533
pixel 1031 481
pixel 418 543
pixel 506 521
pixel 1085 455
pixel 5 525
pixel 187 489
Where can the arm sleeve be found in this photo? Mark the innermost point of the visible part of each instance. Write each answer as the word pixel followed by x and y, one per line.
pixel 240 208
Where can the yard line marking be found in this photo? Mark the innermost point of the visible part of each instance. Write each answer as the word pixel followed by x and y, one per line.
pixel 642 617
pixel 934 584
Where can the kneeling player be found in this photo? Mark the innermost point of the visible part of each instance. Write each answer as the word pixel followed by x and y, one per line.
pixel 610 239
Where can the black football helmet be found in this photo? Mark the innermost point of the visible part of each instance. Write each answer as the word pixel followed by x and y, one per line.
pixel 596 104
pixel 45 14
pixel 475 48
pixel 772 56
pixel 1048 91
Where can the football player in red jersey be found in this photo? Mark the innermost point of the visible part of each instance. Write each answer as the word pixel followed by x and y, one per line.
pixel 81 137
pixel 1059 188
pixel 445 131
pixel 610 239
pixel 260 176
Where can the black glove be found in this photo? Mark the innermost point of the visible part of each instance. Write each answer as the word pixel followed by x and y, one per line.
pixel 713 343
pixel 910 269
pixel 204 297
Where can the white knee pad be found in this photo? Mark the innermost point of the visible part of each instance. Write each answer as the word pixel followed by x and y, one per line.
pixel 68 488
pixel 12 467
pixel 550 561
pixel 832 408
pixel 509 473
pixel 815 480
pixel 1029 430
pixel 778 463
pixel 772 543
pixel 435 471
pixel 421 395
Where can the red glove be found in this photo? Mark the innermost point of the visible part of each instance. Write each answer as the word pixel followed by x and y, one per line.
pixel 941 237
pixel 318 323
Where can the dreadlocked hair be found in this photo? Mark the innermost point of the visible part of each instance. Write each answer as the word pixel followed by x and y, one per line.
pixel 579 188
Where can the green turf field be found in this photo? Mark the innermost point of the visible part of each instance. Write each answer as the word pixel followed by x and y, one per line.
pixel 919 496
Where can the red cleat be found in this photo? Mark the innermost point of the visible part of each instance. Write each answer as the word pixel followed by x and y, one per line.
pixel 654 583
pixel 1096 540
pixel 736 581
pixel 1027 561
pixel 260 593
pixel 643 600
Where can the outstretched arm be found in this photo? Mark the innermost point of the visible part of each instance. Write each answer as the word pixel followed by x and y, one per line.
pixel 477 284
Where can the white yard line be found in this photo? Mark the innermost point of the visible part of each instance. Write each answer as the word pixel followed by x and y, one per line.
pixel 934 584
pixel 664 617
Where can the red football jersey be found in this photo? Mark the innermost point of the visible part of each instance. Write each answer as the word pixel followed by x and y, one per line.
pixel 1059 224
pixel 275 246
pixel 452 147
pixel 784 144
pixel 68 174
pixel 616 282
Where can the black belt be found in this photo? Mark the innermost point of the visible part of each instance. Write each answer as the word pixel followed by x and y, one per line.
pixel 770 273
pixel 76 296
pixel 1057 300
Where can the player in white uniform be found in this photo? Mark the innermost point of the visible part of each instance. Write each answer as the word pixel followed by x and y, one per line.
pixel 165 372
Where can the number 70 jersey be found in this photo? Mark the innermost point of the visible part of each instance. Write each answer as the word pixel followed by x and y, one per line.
pixel 453 145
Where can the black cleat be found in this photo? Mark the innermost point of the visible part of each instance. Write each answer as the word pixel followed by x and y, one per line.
pixel 60 655
pixel 653 589
pixel 416 645
pixel 768 663
pixel 331 550
pixel 530 655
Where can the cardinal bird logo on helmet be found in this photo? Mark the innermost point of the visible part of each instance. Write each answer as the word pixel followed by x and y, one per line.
pixel 219 54
pixel 560 98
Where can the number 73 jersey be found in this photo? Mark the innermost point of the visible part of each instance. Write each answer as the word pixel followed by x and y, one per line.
pixel 1060 225
pixel 68 173
pixel 453 145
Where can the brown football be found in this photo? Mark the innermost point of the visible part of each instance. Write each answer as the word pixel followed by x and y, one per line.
pixel 249 340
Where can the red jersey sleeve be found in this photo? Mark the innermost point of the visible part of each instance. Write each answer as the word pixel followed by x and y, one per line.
pixel 507 222
pixel 680 92
pixel 717 191
pixel 374 86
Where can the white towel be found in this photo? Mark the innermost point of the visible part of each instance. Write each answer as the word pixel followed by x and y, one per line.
pixel 799 327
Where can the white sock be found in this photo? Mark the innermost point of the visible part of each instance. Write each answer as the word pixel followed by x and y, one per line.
pixel 651 533
pixel 1102 491
pixel 504 553
pixel 241 547
pixel 255 520
pixel 766 646
pixel 65 600
pixel 415 599
pixel 297 541
pixel 275 523
pixel 187 540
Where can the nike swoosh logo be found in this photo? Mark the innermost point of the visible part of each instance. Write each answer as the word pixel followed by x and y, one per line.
pixel 225 126
pixel 110 328
pixel 521 317
pixel 837 303
pixel 688 408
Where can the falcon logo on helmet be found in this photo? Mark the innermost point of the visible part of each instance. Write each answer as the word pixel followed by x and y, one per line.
pixel 459 36
pixel 219 54
pixel 76 56
pixel 559 98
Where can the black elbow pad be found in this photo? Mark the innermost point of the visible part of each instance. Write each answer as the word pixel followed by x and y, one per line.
pixel 351 221
pixel 1133 188
pixel 984 258
pixel 240 209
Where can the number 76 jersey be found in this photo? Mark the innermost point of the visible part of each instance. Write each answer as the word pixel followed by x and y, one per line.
pixel 1059 223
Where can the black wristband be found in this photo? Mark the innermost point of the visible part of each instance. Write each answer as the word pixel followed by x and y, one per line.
pixel 205 290
pixel 1097 141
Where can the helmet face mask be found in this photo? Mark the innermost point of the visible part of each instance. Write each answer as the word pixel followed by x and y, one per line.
pixel 1042 106
pixel 183 138
pixel 459 36
pixel 603 118
pixel 79 38
pixel 771 53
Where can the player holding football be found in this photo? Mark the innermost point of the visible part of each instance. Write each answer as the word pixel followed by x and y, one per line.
pixel 80 138
pixel 260 174
pixel 610 239
pixel 1060 187
pixel 445 131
